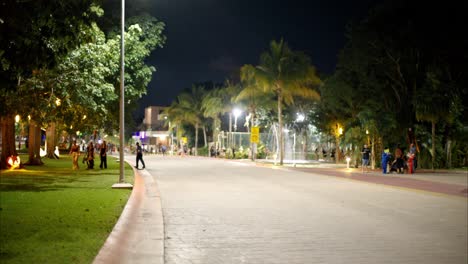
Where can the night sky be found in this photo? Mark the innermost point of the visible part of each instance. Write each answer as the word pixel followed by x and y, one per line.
pixel 208 40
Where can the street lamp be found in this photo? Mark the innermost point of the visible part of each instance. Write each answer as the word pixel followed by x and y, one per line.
pixel 300 117
pixel 121 183
pixel 338 133
pixel 237 112
pixel 368 139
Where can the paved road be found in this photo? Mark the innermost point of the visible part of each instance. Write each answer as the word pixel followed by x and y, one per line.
pixel 229 212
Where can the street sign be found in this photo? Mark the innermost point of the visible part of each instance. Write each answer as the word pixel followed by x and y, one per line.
pixel 255 135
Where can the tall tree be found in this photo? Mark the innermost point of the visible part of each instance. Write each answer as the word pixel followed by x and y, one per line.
pixel 33 36
pixel 187 109
pixel 287 74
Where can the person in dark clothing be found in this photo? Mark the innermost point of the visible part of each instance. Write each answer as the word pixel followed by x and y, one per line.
pixel 139 155
pixel 103 155
pixel 365 157
pixel 90 151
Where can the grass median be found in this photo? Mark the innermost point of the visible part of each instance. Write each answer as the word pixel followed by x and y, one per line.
pixel 52 214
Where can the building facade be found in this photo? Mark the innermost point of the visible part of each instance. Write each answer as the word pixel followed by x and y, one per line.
pixel 155 133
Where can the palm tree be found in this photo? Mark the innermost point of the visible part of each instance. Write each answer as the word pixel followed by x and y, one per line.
pixel 253 97
pixel 287 74
pixel 220 101
pixel 212 107
pixel 175 115
pixel 190 109
pixel 432 92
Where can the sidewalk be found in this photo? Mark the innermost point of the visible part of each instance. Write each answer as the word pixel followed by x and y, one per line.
pixel 440 181
pixel 138 236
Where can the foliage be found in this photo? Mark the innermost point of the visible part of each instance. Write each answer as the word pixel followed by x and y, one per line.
pixel 285 73
pixel 397 63
pixel 75 75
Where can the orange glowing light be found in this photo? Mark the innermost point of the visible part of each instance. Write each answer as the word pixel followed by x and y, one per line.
pixel 14 162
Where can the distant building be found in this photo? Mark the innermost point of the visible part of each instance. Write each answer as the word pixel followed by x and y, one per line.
pixel 154 118
pixel 154 131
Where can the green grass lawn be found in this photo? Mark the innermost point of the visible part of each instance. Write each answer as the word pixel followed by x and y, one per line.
pixel 52 214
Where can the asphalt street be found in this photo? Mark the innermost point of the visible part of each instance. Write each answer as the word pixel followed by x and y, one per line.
pixel 218 211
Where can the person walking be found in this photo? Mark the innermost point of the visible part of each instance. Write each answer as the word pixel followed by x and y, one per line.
pixel 75 152
pixel 90 151
pixel 139 155
pixel 103 155
pixel 365 157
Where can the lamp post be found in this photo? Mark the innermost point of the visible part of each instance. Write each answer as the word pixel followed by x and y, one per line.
pixel 299 119
pixel 368 140
pixel 237 112
pixel 121 183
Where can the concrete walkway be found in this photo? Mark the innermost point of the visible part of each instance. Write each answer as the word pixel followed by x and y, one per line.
pixel 138 236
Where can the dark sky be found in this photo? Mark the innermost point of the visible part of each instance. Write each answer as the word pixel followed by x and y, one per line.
pixel 207 40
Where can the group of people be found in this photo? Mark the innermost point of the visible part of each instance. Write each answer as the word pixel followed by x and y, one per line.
pixel 89 155
pixel 399 163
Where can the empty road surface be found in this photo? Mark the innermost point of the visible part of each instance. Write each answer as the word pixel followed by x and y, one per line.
pixel 218 211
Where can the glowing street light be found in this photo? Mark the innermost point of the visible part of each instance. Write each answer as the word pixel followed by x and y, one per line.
pixel 17 118
pixel 237 112
pixel 300 117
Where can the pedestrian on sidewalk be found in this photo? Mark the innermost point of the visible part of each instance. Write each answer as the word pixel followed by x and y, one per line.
pixel 75 152
pixel 103 155
pixel 90 151
pixel 385 160
pixel 139 155
pixel 410 163
pixel 365 157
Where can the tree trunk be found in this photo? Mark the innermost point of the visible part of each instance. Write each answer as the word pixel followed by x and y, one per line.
pixel 304 143
pixel 196 139
pixel 433 144
pixel 51 140
pixel 34 145
pixel 204 136
pixel 449 153
pixel 215 132
pixel 230 142
pixel 252 145
pixel 280 128
pixel 337 148
pixel 178 136
pixel 7 139
pixel 373 153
